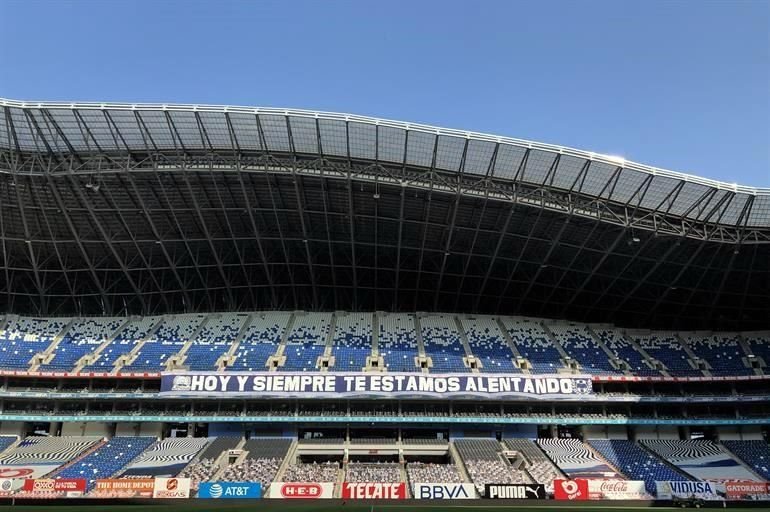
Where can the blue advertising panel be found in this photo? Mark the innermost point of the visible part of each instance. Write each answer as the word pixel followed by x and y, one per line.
pixel 230 490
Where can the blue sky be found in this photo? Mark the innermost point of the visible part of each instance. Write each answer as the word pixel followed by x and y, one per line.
pixel 679 85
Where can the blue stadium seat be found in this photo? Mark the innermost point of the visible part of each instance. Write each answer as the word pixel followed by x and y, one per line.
pixel 635 462
pixel 107 460
pixel 443 344
pixel 397 342
pixel 579 344
pixel 533 344
pixel 486 342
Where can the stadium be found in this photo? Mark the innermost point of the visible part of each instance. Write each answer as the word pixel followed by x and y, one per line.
pixel 320 310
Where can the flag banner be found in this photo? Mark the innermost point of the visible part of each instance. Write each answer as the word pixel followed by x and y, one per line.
pixel 336 385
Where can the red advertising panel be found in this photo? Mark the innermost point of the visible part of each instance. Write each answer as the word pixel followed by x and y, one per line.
pixel 570 490
pixel 52 485
pixel 373 491
pixel 738 490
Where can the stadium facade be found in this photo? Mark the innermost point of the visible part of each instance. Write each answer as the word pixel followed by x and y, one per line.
pixel 314 301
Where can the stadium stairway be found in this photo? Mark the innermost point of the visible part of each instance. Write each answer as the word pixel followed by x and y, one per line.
pixel 466 346
pixel 566 360
pixel 176 361
pixel 228 358
pixel 280 352
pixel 667 463
pixel 223 460
pixel 421 356
pixel 457 460
pixel 291 455
pixel 653 363
pixel 517 357
pixel 91 357
pixel 693 358
pixel 81 456
pixel 376 336
pixel 739 460
pixel 48 354
pixel 614 360
pixel 747 350
pixel 328 354
pixel 132 354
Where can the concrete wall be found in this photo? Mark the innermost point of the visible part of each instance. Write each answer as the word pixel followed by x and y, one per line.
pixel 12 428
pixel 657 432
pixel 740 433
pixel 605 432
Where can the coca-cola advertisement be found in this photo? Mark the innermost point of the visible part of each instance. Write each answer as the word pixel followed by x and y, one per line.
pixel 613 489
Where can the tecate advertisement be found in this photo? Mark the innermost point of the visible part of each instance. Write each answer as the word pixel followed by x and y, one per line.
pixel 171 488
pixel 230 490
pixel 514 491
pixel 572 490
pixel 439 491
pixel 669 489
pixel 599 489
pixel 300 490
pixel 373 491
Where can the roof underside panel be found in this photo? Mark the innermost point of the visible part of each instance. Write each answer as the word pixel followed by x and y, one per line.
pixel 166 241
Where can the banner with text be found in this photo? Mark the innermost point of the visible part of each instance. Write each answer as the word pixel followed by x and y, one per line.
pixel 515 491
pixel 63 485
pixel 373 491
pixel 613 489
pixel 572 490
pixel 667 490
pixel 444 491
pixel 743 490
pixel 171 488
pixel 230 490
pixel 124 487
pixel 336 385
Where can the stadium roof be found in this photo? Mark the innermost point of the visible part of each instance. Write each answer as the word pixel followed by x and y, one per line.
pixel 170 207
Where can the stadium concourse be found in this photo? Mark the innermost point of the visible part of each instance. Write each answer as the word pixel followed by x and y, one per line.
pixel 226 302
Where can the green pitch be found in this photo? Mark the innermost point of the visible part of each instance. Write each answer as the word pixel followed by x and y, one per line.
pixel 233 506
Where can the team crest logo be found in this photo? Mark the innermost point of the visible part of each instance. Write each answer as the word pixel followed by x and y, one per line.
pixel 582 386
pixel 181 383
